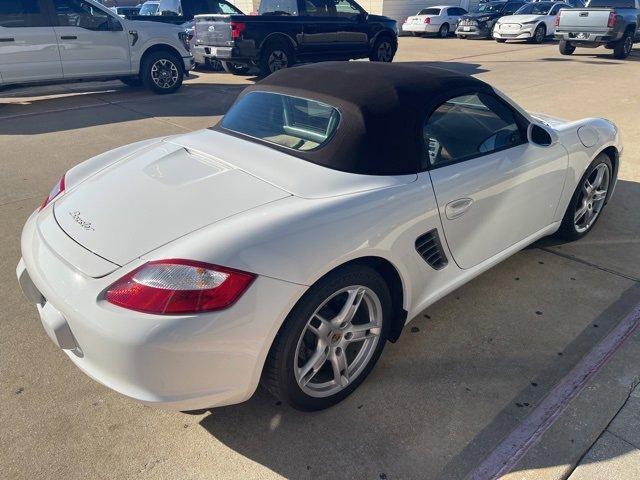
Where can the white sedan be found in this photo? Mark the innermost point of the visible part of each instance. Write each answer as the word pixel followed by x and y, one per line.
pixel 289 242
pixel 533 22
pixel 440 19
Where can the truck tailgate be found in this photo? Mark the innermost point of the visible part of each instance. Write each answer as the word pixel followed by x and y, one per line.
pixel 213 30
pixel 584 19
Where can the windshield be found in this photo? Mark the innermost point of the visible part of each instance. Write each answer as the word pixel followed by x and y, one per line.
pixel 540 8
pixel 429 11
pixel 491 8
pixel 291 122
pixel 149 9
pixel 611 4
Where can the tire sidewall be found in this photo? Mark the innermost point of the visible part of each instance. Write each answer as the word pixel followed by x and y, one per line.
pixel 535 34
pixel 148 63
pixel 376 45
pixel 568 229
pixel 269 49
pixel 302 312
pixel 441 30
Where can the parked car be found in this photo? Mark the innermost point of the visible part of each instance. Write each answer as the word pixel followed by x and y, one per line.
pixel 290 31
pixel 612 23
pixel 533 22
pixel 125 12
pixel 441 20
pixel 89 41
pixel 572 3
pixel 480 24
pixel 289 242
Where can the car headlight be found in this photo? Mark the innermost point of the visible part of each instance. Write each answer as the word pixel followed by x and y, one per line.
pixel 184 38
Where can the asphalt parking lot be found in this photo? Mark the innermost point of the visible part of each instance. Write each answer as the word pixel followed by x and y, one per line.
pixel 461 378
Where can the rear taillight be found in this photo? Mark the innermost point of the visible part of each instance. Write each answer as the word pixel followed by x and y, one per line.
pixel 613 19
pixel 168 287
pixel 57 189
pixel 236 29
pixel 558 20
pixel 427 20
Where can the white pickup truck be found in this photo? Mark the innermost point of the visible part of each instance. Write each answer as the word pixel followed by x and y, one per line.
pixel 71 40
pixel 612 23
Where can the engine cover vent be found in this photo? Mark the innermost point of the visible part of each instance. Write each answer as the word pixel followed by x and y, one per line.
pixel 430 248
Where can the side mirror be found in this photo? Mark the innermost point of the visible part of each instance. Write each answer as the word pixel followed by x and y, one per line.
pixel 541 135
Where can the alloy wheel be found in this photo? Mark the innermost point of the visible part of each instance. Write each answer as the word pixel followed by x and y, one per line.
pixel 338 341
pixel 164 73
pixel 277 60
pixel 444 31
pixel 539 35
pixel 385 51
pixel 628 45
pixel 590 201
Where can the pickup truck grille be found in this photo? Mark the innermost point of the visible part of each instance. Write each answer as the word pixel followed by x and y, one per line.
pixel 214 33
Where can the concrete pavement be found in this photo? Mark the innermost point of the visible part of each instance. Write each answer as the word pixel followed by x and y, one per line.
pixel 475 365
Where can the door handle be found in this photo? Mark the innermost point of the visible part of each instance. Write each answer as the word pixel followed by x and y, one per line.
pixel 8 39
pixel 457 207
pixel 68 37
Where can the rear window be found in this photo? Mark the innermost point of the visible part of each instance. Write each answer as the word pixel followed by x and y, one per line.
pixel 291 122
pixel 429 11
pixel 611 4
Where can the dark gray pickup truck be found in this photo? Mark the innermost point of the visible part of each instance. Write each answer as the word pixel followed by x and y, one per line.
pixel 612 23
pixel 290 31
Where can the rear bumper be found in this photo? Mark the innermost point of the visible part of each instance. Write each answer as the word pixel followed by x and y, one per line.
pixel 203 52
pixel 420 27
pixel 587 39
pixel 176 362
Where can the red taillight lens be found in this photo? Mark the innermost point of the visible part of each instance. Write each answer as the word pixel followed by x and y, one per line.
pixel 558 20
pixel 179 287
pixel 427 20
pixel 236 29
pixel 613 18
pixel 57 189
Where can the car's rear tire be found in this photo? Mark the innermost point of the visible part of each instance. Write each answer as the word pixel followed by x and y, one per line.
pixel 417 34
pixel 444 30
pixel 566 48
pixel 276 55
pixel 213 64
pixel 588 200
pixel 462 37
pixel 162 72
pixel 383 49
pixel 622 48
pixel 319 356
pixel 501 40
pixel 235 68
pixel 134 82
pixel 539 34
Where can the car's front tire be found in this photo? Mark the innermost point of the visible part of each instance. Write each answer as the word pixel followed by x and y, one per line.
pixel 500 40
pixel 539 34
pixel 588 200
pixel 331 340
pixel 162 72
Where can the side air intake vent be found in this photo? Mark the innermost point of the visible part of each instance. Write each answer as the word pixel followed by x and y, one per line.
pixel 430 248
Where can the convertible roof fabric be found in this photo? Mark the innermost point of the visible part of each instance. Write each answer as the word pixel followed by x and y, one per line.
pixel 382 109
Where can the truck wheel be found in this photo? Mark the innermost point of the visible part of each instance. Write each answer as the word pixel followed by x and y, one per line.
pixel 623 47
pixel 162 72
pixel 131 81
pixel 213 64
pixel 275 56
pixel 235 68
pixel 383 50
pixel 566 48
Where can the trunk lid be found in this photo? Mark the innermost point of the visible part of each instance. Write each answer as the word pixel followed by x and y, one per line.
pixel 585 19
pixel 143 202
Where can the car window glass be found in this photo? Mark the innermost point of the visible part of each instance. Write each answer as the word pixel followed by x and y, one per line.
pixel 429 11
pixel 283 120
pixel 556 8
pixel 278 7
pixel 468 126
pixel 344 8
pixel 228 9
pixel 78 13
pixel 458 11
pixel 611 4
pixel 317 8
pixel 21 13
pixel 170 7
pixel 149 9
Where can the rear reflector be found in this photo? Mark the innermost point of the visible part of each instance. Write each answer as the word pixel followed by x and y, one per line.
pixel 178 286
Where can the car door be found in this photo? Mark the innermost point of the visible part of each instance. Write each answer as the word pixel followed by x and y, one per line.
pixel 352 26
pixel 28 46
pixel 319 28
pixel 493 187
pixel 92 41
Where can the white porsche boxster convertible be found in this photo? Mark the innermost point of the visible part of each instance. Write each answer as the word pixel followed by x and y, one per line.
pixel 287 244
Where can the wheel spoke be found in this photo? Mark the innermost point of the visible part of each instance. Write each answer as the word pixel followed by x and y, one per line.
pixel 581 211
pixel 349 308
pixel 598 181
pixel 315 363
pixel 599 195
pixel 358 333
pixel 323 327
pixel 340 368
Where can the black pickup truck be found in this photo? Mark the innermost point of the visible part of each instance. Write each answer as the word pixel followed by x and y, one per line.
pixel 290 31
